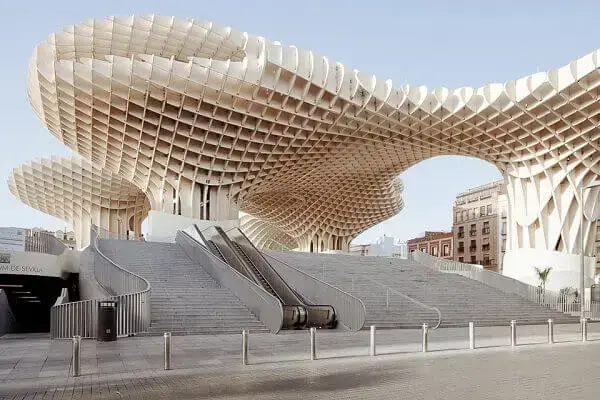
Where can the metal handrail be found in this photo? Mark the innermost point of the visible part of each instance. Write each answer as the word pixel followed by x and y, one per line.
pixel 537 295
pixel 412 300
pixel 350 310
pixel 44 242
pixel 267 308
pixel 129 290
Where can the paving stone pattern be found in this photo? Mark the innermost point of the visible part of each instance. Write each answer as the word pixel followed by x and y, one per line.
pixel 209 366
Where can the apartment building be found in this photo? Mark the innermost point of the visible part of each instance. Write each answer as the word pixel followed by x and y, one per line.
pixel 479 227
pixel 438 244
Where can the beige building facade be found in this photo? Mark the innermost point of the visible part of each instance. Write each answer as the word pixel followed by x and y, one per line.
pixel 479 216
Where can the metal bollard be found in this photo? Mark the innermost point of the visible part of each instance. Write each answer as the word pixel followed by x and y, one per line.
pixel 471 335
pixel 313 344
pixel 387 299
pixel 372 342
pixel 584 330
pixel 76 355
pixel 425 341
pixel 244 347
pixel 167 336
pixel 513 333
pixel 550 331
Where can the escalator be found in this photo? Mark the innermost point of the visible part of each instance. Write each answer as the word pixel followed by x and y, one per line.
pixel 263 282
pixel 237 251
pixel 215 250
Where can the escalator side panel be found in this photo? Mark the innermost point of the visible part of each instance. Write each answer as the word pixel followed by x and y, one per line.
pixel 283 290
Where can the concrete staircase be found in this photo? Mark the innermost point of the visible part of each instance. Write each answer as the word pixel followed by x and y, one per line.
pixel 185 299
pixel 459 299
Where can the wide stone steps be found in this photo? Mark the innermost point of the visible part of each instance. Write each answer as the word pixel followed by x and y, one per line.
pixel 184 297
pixel 459 299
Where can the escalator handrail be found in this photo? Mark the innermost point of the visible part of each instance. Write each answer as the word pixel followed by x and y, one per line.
pixel 236 263
pixel 276 281
pixel 255 268
pixel 268 309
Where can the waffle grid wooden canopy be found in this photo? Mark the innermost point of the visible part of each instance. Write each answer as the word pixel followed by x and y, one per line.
pixel 301 142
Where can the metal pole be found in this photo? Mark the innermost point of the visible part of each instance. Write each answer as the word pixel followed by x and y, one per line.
pixel 387 298
pixel 584 330
pixel 76 355
pixel 244 347
pixel 313 344
pixel 167 336
pixel 582 259
pixel 513 333
pixel 550 331
pixel 372 342
pixel 425 341
pixel 471 335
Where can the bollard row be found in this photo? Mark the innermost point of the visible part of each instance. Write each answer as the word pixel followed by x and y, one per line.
pixel 76 357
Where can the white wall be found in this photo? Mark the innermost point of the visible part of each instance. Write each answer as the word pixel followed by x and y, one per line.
pixel 520 264
pixel 162 227
pixel 30 263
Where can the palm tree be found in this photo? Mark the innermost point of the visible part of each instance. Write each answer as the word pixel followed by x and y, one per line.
pixel 543 275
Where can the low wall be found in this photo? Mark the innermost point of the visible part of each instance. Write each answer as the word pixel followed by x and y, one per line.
pixel 520 264
pixel 162 227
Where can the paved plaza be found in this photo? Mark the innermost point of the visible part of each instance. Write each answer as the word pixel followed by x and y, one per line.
pixel 210 366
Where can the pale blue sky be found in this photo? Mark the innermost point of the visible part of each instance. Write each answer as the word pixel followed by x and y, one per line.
pixel 433 43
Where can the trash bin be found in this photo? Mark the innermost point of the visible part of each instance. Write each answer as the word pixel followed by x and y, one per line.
pixel 107 320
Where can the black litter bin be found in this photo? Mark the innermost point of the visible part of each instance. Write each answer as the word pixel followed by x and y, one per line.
pixel 107 321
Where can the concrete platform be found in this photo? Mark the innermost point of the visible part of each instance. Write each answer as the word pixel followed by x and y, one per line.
pixel 210 366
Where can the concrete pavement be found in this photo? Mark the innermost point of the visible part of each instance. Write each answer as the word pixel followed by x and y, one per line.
pixel 210 366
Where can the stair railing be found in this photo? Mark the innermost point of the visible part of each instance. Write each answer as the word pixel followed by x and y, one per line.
pixel 130 291
pixel 543 297
pixel 410 299
pixel 263 305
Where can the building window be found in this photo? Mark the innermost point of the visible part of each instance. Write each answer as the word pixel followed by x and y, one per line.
pixel 464 215
pixel 472 213
pixel 473 246
pixel 504 227
pixel 461 247
pixel 482 211
pixel 434 251
pixel 446 250
pixel 486 228
pixel 473 230
pixel 473 260
pixel 457 216
pixel 489 209
pixel 461 232
pixel 461 259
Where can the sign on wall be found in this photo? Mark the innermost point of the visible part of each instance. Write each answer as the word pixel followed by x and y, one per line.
pixel 28 263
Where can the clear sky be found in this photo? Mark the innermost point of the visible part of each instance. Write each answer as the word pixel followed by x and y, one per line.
pixel 433 43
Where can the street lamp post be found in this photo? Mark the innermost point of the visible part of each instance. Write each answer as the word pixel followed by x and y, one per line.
pixel 582 252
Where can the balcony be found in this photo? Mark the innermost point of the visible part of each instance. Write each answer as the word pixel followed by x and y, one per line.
pixel 485 231
pixel 461 235
pixel 473 248
pixel 461 249
pixel 473 232
pixel 485 247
